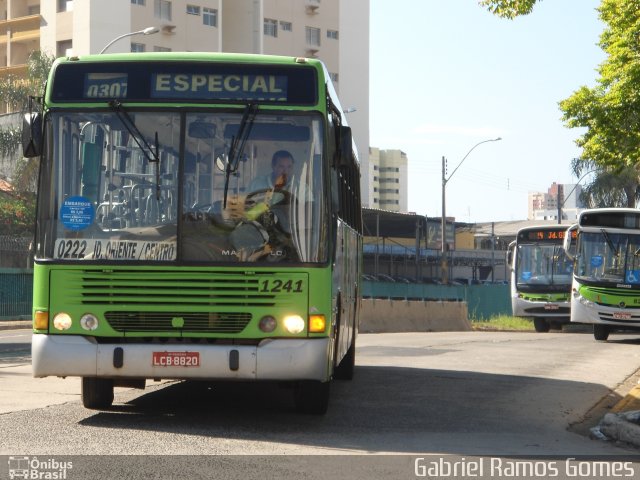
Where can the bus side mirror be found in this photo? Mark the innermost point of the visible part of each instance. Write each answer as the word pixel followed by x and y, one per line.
pixel 569 244
pixel 510 252
pixel 345 148
pixel 32 135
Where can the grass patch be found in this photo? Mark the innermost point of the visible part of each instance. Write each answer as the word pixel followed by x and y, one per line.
pixel 504 323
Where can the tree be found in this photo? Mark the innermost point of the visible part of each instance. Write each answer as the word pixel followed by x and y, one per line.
pixel 609 187
pixel 610 111
pixel 16 214
pixel 509 8
pixel 15 93
pixel 17 210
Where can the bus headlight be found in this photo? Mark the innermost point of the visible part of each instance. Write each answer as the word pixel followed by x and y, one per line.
pixel 62 321
pixel 294 323
pixel 89 321
pixel 267 324
pixel 587 303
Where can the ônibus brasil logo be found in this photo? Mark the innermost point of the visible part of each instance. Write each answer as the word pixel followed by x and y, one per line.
pixel 35 468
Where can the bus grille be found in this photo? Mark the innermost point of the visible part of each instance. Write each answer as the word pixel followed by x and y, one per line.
pixel 178 302
pixel 175 288
pixel 219 322
pixel 544 311
pixel 619 292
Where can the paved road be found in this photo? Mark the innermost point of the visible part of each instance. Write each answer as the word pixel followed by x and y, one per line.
pixel 470 393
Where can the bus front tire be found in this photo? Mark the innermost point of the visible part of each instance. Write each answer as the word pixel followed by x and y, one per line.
pixel 312 396
pixel 97 393
pixel 601 332
pixel 541 325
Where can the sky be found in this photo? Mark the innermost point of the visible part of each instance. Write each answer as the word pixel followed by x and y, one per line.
pixel 447 74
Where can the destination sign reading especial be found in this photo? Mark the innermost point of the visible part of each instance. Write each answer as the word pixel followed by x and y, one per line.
pixel 219 86
pixel 172 81
pixel 192 86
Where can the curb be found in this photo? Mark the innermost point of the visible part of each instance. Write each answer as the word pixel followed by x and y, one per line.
pixel 631 401
pixel 15 324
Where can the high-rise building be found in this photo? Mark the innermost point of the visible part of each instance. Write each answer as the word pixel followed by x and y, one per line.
pixel 390 179
pixel 544 206
pixel 19 35
pixel 335 31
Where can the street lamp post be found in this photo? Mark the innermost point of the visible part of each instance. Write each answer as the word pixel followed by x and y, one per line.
pixel 146 31
pixel 566 197
pixel 443 260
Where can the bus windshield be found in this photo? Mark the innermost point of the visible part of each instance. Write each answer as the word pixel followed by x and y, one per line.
pixel 166 186
pixel 609 257
pixel 542 264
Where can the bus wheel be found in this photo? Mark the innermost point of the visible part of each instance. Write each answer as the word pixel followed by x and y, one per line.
pixel 541 325
pixel 97 393
pixel 312 396
pixel 601 332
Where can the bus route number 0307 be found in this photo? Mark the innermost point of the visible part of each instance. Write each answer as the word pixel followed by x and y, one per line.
pixel 176 359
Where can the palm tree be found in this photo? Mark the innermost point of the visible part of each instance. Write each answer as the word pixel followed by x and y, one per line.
pixel 611 187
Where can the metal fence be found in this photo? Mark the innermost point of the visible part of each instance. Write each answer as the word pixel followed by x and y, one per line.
pixel 16 292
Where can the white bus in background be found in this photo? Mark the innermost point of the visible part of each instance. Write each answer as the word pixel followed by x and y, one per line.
pixel 540 276
pixel 606 274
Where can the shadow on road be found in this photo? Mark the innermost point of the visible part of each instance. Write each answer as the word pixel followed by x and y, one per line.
pixel 379 402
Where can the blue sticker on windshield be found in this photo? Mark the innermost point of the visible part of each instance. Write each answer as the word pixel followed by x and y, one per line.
pixel 526 276
pixel 596 261
pixel 632 276
pixel 77 213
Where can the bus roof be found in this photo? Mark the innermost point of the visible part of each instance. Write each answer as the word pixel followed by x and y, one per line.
pixel 545 227
pixel 625 218
pixel 170 77
pixel 222 57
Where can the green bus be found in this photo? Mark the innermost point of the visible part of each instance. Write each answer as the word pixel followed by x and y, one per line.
pixel 199 217
pixel 606 275
pixel 540 276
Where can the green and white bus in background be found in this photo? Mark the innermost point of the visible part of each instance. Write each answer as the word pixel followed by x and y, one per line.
pixel 540 276
pixel 155 255
pixel 606 273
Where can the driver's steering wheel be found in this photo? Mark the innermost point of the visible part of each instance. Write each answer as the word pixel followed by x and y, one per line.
pixel 258 203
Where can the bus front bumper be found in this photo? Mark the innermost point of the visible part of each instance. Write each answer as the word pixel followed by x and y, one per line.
pixel 271 359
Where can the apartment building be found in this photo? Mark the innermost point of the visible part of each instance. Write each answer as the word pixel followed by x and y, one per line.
pixel 19 35
pixel 335 31
pixel 544 205
pixel 390 179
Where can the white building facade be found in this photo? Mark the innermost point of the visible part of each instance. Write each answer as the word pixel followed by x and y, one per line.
pixel 390 179
pixel 544 206
pixel 337 32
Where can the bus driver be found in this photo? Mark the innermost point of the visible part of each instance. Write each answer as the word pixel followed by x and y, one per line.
pixel 280 176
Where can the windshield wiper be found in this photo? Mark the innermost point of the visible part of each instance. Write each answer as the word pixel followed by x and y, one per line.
pixel 607 238
pixel 151 155
pixel 237 144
